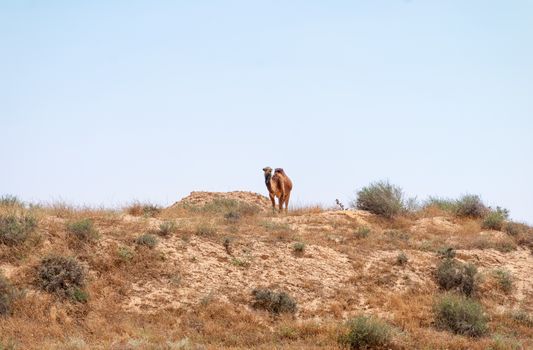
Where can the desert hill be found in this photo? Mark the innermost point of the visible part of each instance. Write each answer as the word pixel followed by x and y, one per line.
pixel 190 276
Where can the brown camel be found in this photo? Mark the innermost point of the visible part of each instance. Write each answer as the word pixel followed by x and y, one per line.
pixel 278 185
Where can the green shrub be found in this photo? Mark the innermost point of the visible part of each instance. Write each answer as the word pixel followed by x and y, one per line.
pixel 15 229
pixel 147 239
pixel 82 230
pixel 505 280
pixel 470 206
pixel 60 275
pixel 124 253
pixel 362 232
pixel 514 229
pixel 446 252
pixel 494 220
pixel 167 228
pixel 402 259
pixel 365 332
pixel 7 295
pixel 273 302
pixel 460 315
pixel 452 274
pixel 79 295
pixel 298 247
pixel 381 198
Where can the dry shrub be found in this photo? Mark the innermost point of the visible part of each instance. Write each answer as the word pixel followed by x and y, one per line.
pixel 365 332
pixel 83 230
pixel 143 209
pixel 167 228
pixel 147 239
pixel 7 295
pixel 15 229
pixel 470 206
pixel 274 302
pixel 452 274
pixel 62 276
pixel 381 198
pixel 505 280
pixel 460 315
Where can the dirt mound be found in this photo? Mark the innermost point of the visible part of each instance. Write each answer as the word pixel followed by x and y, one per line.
pixel 200 199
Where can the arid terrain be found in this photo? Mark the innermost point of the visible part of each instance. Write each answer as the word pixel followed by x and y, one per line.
pixel 183 277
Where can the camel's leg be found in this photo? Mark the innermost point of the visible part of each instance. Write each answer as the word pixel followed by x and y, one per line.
pixel 273 200
pixel 281 201
pixel 287 196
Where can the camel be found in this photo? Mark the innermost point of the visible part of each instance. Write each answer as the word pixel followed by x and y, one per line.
pixel 278 185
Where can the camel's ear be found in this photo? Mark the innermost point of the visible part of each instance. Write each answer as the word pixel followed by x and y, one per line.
pixel 264 169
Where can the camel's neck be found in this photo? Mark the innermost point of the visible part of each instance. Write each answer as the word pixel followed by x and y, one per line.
pixel 268 183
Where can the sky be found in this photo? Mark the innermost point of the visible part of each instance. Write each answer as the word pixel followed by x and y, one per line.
pixel 107 102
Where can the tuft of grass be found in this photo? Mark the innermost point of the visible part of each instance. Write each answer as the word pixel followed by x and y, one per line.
pixel 83 230
pixel 452 274
pixel 232 216
pixel 275 226
pixel 7 295
pixel 298 247
pixel 460 315
pixel 402 259
pixel 523 318
pixel 381 198
pixel 15 229
pixel 167 228
pixel 444 204
pixel 505 280
pixel 146 210
pixel 79 295
pixel 205 230
pixel 60 275
pixel 274 302
pixel 147 239
pixel 365 332
pixel 124 253
pixel 362 232
pixel 470 206
pixel 8 200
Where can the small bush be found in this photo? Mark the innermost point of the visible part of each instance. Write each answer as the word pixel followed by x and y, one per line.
pixel 7 295
pixel 80 295
pixel 362 232
pixel 505 280
pixel 460 315
pixel 15 229
pixel 124 253
pixel 167 228
pixel 298 247
pixel 205 230
pixel 60 275
pixel 513 228
pixel 470 206
pixel 82 230
pixel 451 274
pixel 366 333
pixel 494 220
pixel 273 302
pixel 232 216
pixel 523 318
pixel 147 210
pixel 401 259
pixel 381 198
pixel 147 239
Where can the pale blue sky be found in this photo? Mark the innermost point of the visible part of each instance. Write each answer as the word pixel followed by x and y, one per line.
pixel 104 102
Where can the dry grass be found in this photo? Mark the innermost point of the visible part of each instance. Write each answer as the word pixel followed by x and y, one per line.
pixel 187 291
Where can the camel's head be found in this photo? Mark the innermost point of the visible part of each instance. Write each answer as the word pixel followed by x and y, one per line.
pixel 267 170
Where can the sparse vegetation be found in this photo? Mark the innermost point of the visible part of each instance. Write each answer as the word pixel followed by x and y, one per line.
pixel 381 198
pixel 205 229
pixel 494 220
pixel 15 229
pixel 452 274
pixel 226 206
pixel 446 252
pixel 470 206
pixel 167 228
pixel 7 295
pixel 460 315
pixel 298 247
pixel 523 318
pixel 505 280
pixel 365 332
pixel 444 204
pixel 274 302
pixel 402 259
pixel 62 276
pixel 124 253
pixel 83 230
pixel 362 232
pixel 10 201
pixel 147 239
pixel 140 209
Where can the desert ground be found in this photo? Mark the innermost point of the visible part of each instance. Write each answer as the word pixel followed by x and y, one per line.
pixel 183 277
